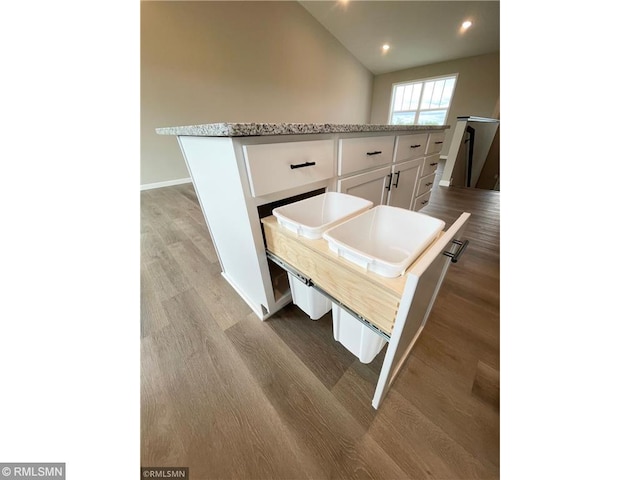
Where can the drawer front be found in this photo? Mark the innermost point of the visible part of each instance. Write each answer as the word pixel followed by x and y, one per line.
pixel 280 166
pixel 435 143
pixel 425 184
pixel 410 146
pixel 355 154
pixel 430 165
pixel 421 201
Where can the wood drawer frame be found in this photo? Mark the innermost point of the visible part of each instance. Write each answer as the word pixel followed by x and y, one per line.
pixel 399 306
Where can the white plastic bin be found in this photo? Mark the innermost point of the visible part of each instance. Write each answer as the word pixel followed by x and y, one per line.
pixel 312 216
pixel 309 300
pixel 384 240
pixel 356 337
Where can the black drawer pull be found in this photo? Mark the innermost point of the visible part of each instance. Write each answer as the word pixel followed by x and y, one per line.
pixel 301 165
pixel 427 184
pixel 433 164
pixel 438 143
pixel 462 246
pixel 397 179
pixel 388 187
pixel 377 152
pixel 424 202
pixel 414 146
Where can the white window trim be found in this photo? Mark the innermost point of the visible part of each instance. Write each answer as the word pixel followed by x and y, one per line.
pixel 421 80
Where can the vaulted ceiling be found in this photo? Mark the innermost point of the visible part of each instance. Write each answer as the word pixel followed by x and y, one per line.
pixel 417 32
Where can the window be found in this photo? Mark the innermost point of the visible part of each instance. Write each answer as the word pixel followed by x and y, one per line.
pixel 425 102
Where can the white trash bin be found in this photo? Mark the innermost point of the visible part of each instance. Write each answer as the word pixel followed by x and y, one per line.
pixel 356 337
pixel 309 300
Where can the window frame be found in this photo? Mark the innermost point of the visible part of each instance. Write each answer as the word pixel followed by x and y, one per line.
pixel 418 110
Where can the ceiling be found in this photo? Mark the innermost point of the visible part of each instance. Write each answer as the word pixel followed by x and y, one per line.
pixel 418 32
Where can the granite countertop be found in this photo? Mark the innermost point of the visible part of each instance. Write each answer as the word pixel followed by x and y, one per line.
pixel 255 129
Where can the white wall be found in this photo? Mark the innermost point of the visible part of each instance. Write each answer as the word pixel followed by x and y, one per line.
pixel 477 90
pixel 206 62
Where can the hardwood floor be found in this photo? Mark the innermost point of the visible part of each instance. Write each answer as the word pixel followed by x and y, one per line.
pixel 230 396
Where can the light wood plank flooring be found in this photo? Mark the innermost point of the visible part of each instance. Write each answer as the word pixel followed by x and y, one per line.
pixel 230 396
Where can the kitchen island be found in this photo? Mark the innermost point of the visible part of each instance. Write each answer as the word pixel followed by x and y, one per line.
pixel 242 171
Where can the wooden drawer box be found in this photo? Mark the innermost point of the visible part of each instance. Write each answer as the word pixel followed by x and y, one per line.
pixel 374 297
pixel 280 166
pixel 363 153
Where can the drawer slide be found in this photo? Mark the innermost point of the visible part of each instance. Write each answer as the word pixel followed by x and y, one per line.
pixel 308 282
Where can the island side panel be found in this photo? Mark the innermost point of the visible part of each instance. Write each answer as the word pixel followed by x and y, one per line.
pixel 216 179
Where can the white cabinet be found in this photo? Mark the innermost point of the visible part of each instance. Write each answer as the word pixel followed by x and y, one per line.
pixel 363 153
pixel 280 166
pixel 430 165
pixel 410 146
pixel 371 185
pixel 385 186
pixel 238 181
pixel 427 175
pixel 404 177
pixel 395 183
pixel 425 184
pixel 436 140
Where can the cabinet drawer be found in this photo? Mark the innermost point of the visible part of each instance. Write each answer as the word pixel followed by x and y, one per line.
pixel 362 153
pixel 281 166
pixel 435 143
pixel 430 165
pixel 410 146
pixel 425 184
pixel 421 201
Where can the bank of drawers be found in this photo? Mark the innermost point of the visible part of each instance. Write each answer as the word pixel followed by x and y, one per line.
pixel 282 166
pixel 426 182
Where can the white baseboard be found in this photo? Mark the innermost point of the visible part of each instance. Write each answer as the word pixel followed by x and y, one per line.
pixel 444 183
pixel 168 183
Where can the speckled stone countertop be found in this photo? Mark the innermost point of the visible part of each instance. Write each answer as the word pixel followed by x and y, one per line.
pixel 256 129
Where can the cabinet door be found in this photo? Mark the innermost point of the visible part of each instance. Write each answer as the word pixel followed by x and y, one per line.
pixel 404 177
pixel 420 292
pixel 372 186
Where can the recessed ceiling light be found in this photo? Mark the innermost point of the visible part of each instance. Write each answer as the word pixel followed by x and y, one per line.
pixel 466 24
pixel 385 47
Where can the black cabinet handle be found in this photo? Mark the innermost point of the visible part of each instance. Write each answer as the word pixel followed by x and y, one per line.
pixel 424 202
pixel 377 152
pixel 433 164
pixel 388 187
pixel 414 146
pixel 397 179
pixel 301 165
pixel 427 184
pixel 438 143
pixel 462 246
